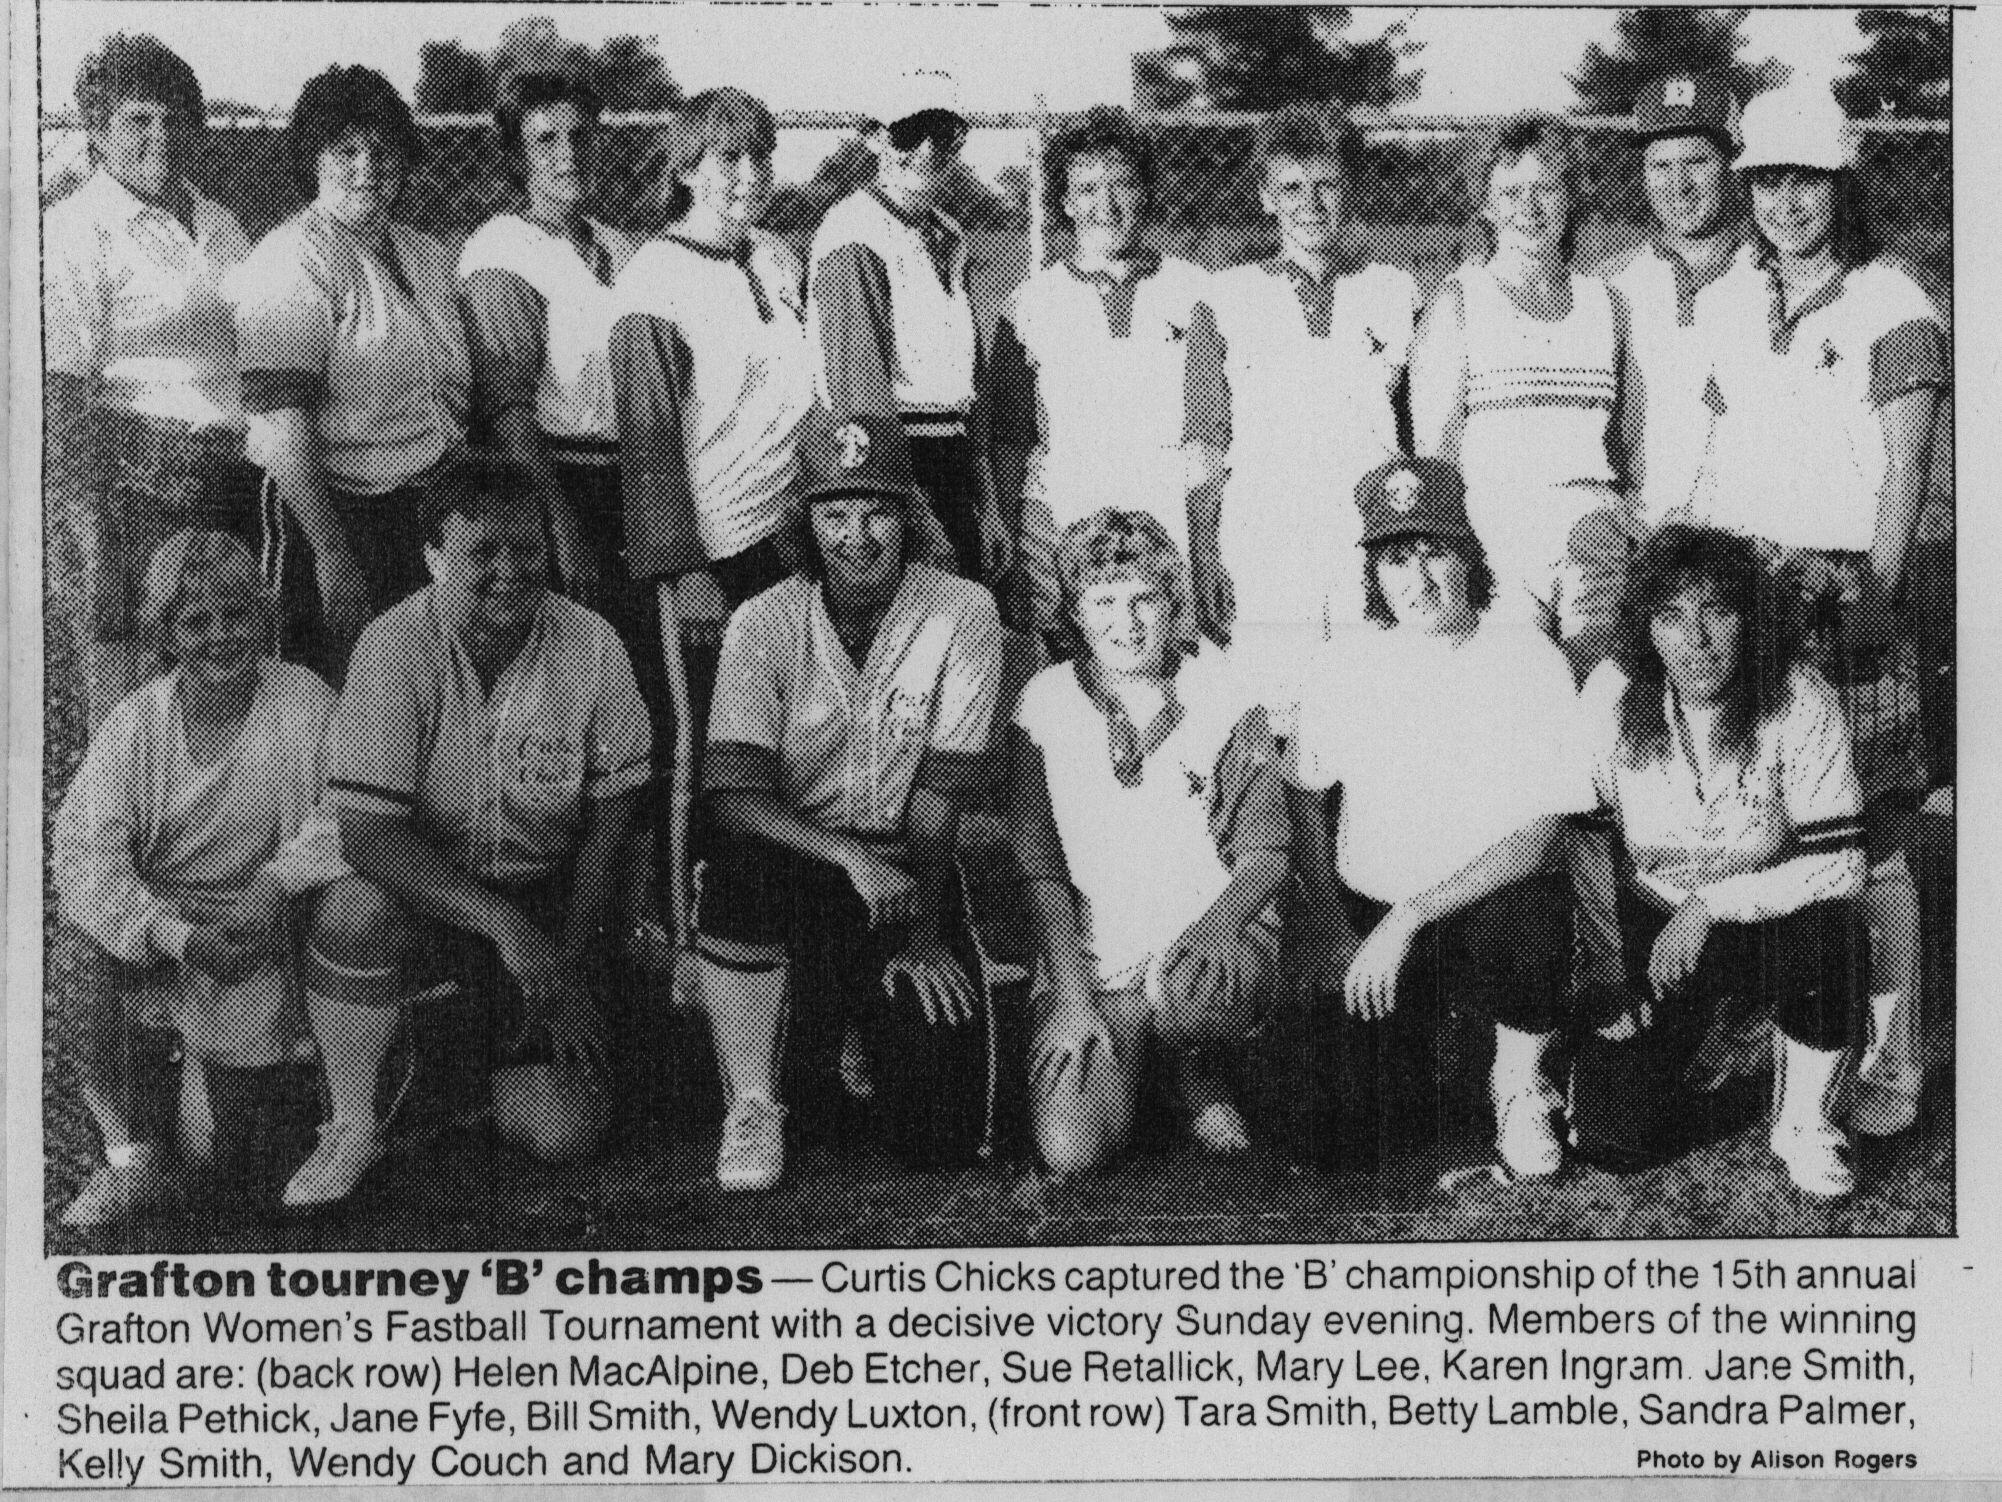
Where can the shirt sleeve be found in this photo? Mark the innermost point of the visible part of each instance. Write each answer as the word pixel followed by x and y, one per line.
pixel 969 692
pixel 1400 315
pixel 95 840
pixel 1014 413
pixel 1206 409
pixel 312 858
pixel 284 329
pixel 1911 357
pixel 1250 817
pixel 621 731
pixel 76 304
pixel 747 714
pixel 378 736
pixel 506 326
pixel 858 341
pixel 652 369
pixel 1039 846
pixel 1824 803
pixel 1598 730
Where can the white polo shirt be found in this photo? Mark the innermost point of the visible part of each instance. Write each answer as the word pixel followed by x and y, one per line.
pixel 496 778
pixel 1073 346
pixel 1800 457
pixel 844 745
pixel 1442 750
pixel 1144 856
pixel 538 317
pixel 132 298
pixel 1673 323
pixel 1757 840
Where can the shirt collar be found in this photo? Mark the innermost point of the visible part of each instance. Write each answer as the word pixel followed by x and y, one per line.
pixel 131 206
pixel 739 257
pixel 1140 265
pixel 1783 325
pixel 1128 746
pixel 1345 264
pixel 931 219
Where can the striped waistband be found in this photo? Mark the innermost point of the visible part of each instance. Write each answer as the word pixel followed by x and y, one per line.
pixel 946 424
pixel 582 450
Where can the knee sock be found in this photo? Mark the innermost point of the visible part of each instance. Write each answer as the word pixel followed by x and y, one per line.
pixel 744 993
pixel 1892 1051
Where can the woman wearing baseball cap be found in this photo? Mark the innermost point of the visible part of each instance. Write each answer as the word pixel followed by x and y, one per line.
pixel 1422 832
pixel 1828 380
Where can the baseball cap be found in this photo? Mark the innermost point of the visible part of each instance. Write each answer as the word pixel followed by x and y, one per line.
pixel 1412 498
pixel 1681 104
pixel 1800 127
pixel 858 455
pixel 919 102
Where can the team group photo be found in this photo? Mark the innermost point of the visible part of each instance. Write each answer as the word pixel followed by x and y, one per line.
pixel 865 626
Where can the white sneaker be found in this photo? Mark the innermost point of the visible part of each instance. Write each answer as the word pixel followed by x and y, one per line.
pixel 348 1148
pixel 1882 1110
pixel 1526 1135
pixel 1816 1159
pixel 753 1154
pixel 117 1192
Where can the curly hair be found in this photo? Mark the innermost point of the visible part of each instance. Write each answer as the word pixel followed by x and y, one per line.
pixel 1102 130
pixel 1852 241
pixel 177 565
pixel 135 67
pixel 520 95
pixel 1112 544
pixel 1676 558
pixel 1544 136
pixel 1308 133
pixel 714 120
pixel 1480 577
pixel 333 106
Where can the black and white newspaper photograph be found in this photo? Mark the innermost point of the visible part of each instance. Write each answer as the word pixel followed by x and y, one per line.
pixel 872 743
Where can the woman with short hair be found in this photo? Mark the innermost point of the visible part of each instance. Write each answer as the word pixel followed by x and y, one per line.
pixel 354 362
pixel 535 283
pixel 1723 760
pixel 1152 835
pixel 145 417
pixel 1520 376
pixel 183 849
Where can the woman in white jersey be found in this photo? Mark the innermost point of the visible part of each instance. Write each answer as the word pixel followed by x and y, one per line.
pixel 1517 376
pixel 1107 323
pixel 536 285
pixel 1828 378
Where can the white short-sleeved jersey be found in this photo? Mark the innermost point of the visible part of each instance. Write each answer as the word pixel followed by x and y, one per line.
pixel 1672 321
pixel 1799 455
pixel 844 745
pixel 1441 749
pixel 1108 363
pixel 573 399
pixel 134 300
pixel 1143 855
pixel 498 778
pixel 1310 414
pixel 1759 838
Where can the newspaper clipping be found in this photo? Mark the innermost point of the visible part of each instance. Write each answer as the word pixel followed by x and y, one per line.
pixel 847 743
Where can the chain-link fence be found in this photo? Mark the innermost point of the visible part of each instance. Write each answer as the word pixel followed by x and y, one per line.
pixel 1412 205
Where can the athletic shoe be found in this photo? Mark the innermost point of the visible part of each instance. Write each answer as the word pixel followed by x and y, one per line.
pixel 1816 1159
pixel 348 1148
pixel 1526 1135
pixel 117 1192
pixel 1882 1110
pixel 753 1154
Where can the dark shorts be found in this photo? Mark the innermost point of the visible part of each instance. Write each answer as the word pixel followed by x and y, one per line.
pixel 947 470
pixel 163 479
pixel 387 534
pixel 936 1083
pixel 452 967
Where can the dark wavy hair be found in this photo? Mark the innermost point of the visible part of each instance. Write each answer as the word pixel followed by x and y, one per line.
pixel 1852 240
pixel 1103 130
pixel 473 483
pixel 521 95
pixel 1675 558
pixel 1306 133
pixel 135 67
pixel 714 120
pixel 1545 136
pixel 333 106
pixel 1480 577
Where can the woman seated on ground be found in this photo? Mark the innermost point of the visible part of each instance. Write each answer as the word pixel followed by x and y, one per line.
pixel 182 853
pixel 1435 765
pixel 851 717
pixel 1152 835
pixel 1726 763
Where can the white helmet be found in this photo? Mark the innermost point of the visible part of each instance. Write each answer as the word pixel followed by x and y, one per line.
pixel 1800 127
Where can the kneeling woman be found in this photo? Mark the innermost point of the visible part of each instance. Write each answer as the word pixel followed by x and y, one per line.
pixel 851 715
pixel 182 852
pixel 1436 763
pixel 1152 835
pixel 1727 765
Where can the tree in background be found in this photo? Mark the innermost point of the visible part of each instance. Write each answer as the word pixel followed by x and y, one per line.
pixel 1905 69
pixel 452 80
pixel 628 70
pixel 1656 39
pixel 1259 57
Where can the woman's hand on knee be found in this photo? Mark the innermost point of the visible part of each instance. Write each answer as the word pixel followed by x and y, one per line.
pixel 1210 982
pixel 1370 990
pixel 1678 948
pixel 1072 1041
pixel 944 992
